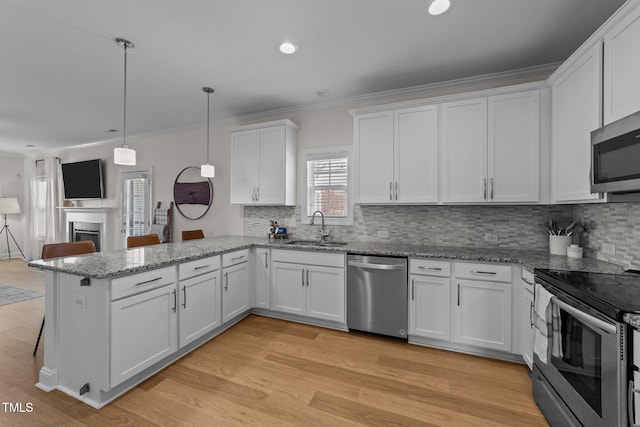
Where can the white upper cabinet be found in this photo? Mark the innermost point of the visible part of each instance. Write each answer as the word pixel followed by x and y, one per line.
pixel 491 149
pixel 416 155
pixel 514 147
pixel 464 151
pixel 576 108
pixel 263 164
pixel 374 148
pixel 622 68
pixel 397 153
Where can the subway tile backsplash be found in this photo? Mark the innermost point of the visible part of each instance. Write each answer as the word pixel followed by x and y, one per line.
pixel 516 227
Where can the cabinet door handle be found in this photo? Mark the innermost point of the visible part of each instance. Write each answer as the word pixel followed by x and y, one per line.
pixel 396 190
pixel 266 255
pixel 307 277
pixel 484 184
pixel 489 273
pixel 458 294
pixel 491 184
pixel 184 297
pixel 253 194
pixel 303 277
pixel 202 266
pixel 531 314
pixel 421 267
pixel 237 258
pixel 257 193
pixel 148 281
pixel 390 190
pixel 226 279
pixel 175 300
pixel 413 289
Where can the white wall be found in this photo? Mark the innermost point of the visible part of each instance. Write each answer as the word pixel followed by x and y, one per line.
pixel 167 155
pixel 12 185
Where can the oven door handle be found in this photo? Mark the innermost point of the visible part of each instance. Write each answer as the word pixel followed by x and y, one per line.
pixel 584 317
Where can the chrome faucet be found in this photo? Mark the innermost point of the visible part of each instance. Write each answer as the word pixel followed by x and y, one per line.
pixel 323 231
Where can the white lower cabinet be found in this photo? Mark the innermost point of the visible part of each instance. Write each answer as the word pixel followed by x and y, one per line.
pixel 430 299
pixel 144 330
pixel 482 305
pixel 236 284
pixel 309 284
pixel 262 267
pixel 199 306
pixel 527 323
pixel 483 314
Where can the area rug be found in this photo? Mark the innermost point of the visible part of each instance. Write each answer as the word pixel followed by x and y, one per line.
pixel 10 294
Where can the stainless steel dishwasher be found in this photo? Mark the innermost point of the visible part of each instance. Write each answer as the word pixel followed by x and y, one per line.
pixel 377 295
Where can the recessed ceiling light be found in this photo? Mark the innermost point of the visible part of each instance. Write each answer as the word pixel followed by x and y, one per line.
pixel 322 92
pixel 30 145
pixel 288 48
pixel 438 7
pixel 111 130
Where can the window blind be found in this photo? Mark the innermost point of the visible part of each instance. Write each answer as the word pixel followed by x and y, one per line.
pixel 327 186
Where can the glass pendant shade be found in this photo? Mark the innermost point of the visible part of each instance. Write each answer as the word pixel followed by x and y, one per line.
pixel 208 171
pixel 124 156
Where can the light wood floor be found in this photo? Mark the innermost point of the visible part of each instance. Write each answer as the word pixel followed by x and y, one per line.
pixel 271 372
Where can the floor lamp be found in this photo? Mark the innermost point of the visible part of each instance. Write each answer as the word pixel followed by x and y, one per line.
pixel 9 205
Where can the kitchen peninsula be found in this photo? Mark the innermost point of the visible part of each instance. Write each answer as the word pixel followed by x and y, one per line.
pixel 116 318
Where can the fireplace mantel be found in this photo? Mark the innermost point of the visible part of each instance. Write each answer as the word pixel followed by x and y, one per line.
pixel 92 215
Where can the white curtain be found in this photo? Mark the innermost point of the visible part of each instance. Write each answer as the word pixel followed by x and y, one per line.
pixel 44 193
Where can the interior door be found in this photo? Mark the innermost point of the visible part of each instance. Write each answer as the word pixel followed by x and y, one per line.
pixel 136 204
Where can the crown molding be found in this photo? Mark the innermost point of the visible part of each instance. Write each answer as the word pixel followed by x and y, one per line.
pixel 458 87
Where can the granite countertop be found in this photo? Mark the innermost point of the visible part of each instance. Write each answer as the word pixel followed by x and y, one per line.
pixel 125 261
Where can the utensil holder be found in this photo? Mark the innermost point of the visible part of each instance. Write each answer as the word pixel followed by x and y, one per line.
pixel 558 244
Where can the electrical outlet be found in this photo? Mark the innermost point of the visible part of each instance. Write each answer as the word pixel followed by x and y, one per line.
pixel 383 234
pixel 488 237
pixel 609 248
pixel 81 301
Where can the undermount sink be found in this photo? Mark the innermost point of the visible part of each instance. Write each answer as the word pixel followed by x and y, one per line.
pixel 315 243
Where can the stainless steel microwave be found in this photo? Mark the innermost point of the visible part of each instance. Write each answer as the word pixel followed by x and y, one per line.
pixel 615 156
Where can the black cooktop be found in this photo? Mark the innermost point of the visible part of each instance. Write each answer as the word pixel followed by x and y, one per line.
pixel 611 294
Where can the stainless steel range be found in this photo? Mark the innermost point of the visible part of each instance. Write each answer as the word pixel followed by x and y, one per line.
pixel 583 381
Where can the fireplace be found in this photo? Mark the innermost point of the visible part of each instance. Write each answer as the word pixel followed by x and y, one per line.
pixel 85 231
pixel 88 224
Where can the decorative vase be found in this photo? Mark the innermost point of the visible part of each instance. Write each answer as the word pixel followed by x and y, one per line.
pixel 558 244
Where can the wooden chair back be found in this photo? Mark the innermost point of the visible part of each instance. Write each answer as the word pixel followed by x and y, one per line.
pixel 56 250
pixel 146 240
pixel 192 234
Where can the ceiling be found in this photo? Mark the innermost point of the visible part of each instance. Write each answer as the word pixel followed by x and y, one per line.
pixel 61 71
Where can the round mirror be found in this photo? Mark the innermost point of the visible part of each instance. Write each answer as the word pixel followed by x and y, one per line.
pixel 192 193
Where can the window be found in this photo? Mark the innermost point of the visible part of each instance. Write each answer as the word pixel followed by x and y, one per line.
pixel 327 185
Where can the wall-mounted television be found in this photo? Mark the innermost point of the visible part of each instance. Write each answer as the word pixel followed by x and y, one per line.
pixel 83 180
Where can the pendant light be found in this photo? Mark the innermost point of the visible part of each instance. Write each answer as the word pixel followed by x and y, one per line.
pixel 124 155
pixel 208 170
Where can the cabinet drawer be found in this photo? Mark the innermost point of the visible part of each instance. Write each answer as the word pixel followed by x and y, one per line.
pixel 141 282
pixel 236 257
pixel 486 272
pixel 429 267
pixel 197 267
pixel 308 257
